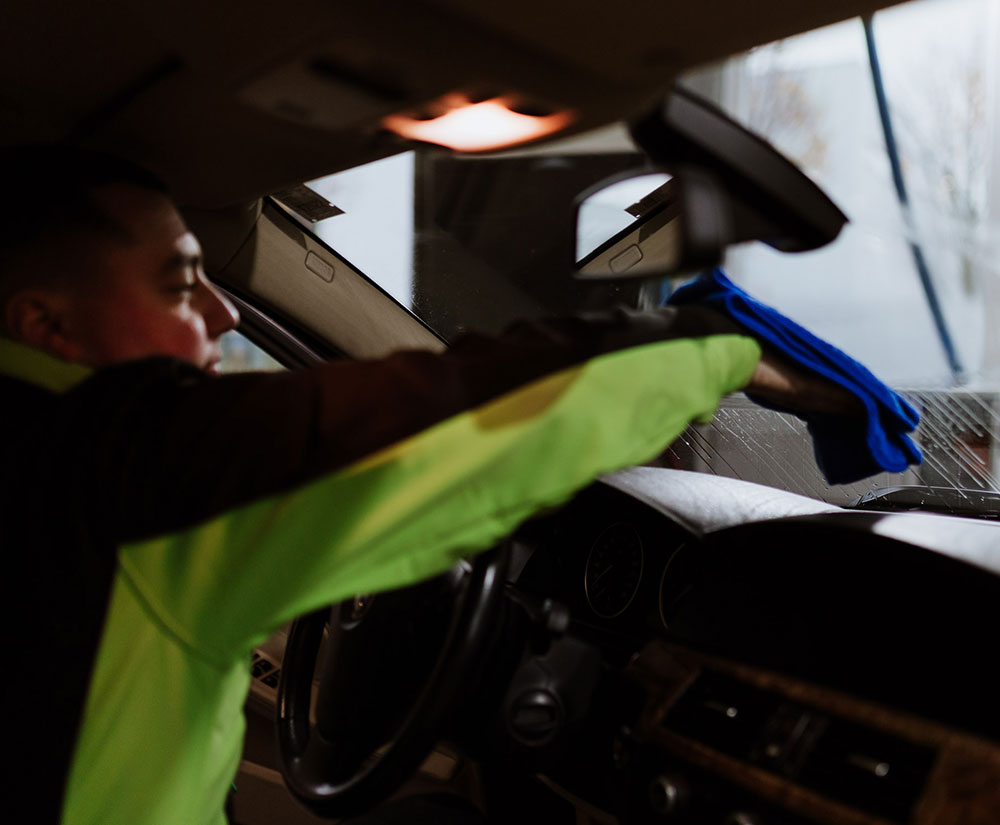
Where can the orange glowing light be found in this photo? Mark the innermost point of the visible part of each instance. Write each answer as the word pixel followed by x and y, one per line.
pixel 478 127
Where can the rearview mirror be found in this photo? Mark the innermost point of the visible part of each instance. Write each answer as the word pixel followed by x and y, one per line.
pixel 718 185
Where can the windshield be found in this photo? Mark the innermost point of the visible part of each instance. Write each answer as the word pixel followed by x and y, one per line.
pixel 911 287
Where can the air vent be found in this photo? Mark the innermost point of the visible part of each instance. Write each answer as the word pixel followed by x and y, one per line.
pixel 265 672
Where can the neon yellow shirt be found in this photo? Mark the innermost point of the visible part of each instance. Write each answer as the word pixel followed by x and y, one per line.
pixel 163 723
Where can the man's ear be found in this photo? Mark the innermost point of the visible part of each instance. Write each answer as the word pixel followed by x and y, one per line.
pixel 37 317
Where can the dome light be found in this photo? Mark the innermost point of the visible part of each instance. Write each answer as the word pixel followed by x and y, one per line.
pixel 477 127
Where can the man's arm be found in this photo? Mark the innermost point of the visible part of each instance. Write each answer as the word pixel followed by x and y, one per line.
pixel 174 447
pixel 283 491
pixel 410 510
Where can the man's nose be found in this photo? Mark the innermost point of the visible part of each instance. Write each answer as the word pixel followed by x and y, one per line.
pixel 219 312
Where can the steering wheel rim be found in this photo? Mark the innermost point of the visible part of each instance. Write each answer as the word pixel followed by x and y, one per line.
pixel 307 757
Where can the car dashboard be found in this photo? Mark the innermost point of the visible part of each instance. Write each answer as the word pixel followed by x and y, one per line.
pixel 716 651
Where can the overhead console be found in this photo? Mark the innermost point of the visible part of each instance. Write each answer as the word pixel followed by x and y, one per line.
pixel 255 96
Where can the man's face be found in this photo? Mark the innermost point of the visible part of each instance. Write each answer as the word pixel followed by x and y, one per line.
pixel 149 295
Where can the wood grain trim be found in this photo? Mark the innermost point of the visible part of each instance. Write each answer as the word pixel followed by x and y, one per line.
pixel 962 789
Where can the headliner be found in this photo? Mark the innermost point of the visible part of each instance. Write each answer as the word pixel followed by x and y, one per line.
pixel 230 100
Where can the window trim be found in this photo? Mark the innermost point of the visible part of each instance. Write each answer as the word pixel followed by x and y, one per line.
pixel 289 348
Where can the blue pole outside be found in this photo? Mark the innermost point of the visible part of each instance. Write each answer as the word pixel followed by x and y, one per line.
pixel 897 177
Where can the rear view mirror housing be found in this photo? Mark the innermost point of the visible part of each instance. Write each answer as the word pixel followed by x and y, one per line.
pixel 719 185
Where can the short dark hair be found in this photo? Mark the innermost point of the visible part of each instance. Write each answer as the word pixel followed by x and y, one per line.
pixel 46 202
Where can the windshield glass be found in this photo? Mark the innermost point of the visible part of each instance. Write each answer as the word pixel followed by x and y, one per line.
pixel 911 287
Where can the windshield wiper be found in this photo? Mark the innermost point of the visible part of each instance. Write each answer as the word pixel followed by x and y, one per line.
pixel 952 501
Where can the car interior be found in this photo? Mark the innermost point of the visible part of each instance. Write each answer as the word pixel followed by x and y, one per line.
pixel 719 636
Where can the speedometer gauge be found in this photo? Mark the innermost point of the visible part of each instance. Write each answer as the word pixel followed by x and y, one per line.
pixel 677 581
pixel 614 570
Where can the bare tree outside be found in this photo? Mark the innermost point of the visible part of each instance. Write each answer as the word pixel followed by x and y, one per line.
pixel 943 126
pixel 781 108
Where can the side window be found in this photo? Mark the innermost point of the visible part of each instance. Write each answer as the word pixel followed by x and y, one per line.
pixel 240 354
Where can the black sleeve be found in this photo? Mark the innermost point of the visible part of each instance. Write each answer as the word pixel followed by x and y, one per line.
pixel 164 446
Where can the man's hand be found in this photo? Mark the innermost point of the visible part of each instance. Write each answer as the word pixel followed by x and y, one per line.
pixel 778 380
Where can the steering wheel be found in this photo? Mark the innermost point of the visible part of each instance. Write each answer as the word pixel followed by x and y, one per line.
pixel 383 694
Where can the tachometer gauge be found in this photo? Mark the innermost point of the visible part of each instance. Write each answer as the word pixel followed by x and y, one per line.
pixel 614 570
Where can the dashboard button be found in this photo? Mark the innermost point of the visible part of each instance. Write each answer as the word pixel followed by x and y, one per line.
pixel 668 795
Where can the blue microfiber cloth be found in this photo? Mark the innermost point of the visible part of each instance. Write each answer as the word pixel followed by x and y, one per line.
pixel 846 449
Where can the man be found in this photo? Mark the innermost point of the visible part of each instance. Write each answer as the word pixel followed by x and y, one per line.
pixel 162 521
